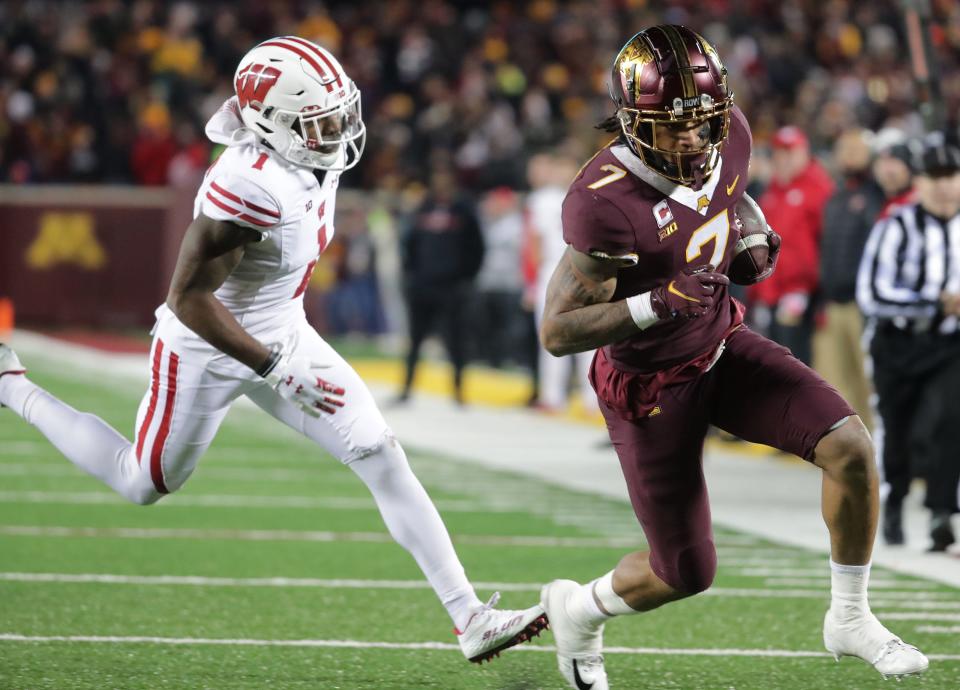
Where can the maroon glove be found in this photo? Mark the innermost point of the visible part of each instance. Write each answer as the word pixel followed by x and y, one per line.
pixel 689 295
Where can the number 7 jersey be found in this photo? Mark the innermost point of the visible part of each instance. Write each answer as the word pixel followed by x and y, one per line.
pixel 618 207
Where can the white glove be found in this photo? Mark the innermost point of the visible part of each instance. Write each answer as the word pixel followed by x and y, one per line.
pixel 297 379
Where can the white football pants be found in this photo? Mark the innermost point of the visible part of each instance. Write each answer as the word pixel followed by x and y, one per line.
pixel 179 417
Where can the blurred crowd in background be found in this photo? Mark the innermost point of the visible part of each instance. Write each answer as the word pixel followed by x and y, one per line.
pixel 470 102
pixel 118 91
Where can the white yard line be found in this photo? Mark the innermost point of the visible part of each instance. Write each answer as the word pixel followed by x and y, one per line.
pixel 875 583
pixel 352 583
pixel 282 582
pixel 26 446
pixel 879 603
pixel 921 616
pixel 206 470
pixel 297 535
pixel 787 571
pixel 315 503
pixel 768 551
pixel 205 501
pixel 422 646
pixel 938 630
pixel 240 501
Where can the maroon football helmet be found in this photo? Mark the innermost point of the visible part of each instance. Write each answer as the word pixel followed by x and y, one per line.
pixel 670 76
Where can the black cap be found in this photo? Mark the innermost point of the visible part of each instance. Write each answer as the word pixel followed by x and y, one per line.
pixel 893 143
pixel 902 153
pixel 935 156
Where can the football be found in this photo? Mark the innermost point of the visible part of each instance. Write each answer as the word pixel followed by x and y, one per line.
pixel 753 248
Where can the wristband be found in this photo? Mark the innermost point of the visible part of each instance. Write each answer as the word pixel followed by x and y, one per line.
pixel 269 364
pixel 641 310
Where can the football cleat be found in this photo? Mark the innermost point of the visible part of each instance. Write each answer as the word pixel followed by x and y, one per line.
pixel 9 363
pixel 866 637
pixel 490 631
pixel 578 648
pixel 941 532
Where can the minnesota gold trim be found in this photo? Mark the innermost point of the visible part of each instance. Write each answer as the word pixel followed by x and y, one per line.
pixel 683 62
pixel 675 291
pixel 732 185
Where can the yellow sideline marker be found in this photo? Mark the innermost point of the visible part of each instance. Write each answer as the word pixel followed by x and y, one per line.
pixel 493 388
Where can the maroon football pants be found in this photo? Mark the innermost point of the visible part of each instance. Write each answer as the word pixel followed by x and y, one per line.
pixel 757 391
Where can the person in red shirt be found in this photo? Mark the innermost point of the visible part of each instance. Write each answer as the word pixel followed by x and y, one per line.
pixel 793 204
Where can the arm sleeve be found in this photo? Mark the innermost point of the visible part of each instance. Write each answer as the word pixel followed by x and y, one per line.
pixel 594 225
pixel 238 200
pixel 880 293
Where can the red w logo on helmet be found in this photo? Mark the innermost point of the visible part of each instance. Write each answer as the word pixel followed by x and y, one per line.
pixel 254 83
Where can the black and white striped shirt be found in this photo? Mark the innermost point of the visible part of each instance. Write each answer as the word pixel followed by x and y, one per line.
pixel 911 257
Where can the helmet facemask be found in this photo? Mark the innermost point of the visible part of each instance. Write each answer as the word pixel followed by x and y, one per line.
pixel 646 130
pixel 326 139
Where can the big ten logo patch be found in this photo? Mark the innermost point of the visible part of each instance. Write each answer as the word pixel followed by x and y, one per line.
pixel 66 238
pixel 667 231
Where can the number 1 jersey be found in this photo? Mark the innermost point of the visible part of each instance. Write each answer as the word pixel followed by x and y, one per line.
pixel 292 209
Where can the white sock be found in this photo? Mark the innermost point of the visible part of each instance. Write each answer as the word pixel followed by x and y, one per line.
pixel 84 439
pixel 583 607
pixel 848 590
pixel 415 524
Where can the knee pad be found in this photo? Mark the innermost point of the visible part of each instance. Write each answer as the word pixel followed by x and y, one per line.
pixel 688 568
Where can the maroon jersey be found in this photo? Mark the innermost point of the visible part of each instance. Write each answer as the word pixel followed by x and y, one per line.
pixel 618 207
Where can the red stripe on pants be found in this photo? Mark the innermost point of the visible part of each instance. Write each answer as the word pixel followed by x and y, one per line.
pixel 154 394
pixel 156 454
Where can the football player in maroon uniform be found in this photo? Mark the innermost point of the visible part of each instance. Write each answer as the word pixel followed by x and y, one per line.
pixel 651 232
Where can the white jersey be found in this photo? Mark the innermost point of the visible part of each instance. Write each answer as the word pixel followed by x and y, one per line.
pixel 544 208
pixel 293 211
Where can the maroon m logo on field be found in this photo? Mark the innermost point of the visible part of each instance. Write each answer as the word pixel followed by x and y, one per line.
pixel 254 83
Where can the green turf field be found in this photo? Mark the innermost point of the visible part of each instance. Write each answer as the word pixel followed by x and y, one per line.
pixel 272 569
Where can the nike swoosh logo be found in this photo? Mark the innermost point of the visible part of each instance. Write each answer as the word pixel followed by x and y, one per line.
pixel 578 680
pixel 732 185
pixel 675 291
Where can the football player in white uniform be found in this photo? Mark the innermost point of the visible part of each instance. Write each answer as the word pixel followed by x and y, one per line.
pixel 233 325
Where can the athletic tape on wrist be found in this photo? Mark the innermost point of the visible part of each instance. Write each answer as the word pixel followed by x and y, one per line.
pixel 269 364
pixel 641 310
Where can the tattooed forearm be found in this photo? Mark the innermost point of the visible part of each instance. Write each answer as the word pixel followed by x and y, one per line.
pixel 579 315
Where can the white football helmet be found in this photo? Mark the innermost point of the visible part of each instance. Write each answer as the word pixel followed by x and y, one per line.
pixel 295 96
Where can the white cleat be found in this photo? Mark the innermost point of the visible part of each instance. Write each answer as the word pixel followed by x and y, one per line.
pixel 9 363
pixel 578 649
pixel 865 637
pixel 490 631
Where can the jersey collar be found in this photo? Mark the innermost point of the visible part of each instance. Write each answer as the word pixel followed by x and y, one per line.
pixel 677 192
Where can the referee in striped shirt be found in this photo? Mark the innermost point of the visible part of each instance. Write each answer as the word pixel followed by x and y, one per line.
pixel 908 287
